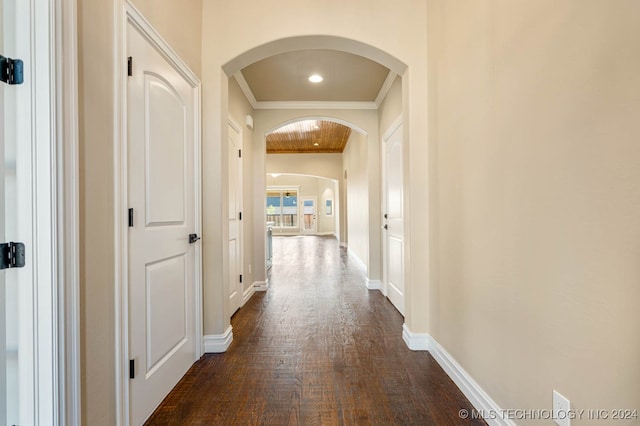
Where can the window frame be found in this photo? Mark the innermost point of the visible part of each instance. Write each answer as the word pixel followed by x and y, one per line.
pixel 282 190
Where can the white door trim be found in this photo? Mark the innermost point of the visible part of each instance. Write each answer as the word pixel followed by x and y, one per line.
pixel 52 139
pixel 125 13
pixel 64 46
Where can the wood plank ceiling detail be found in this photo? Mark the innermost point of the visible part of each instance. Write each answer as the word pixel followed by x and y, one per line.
pixel 309 136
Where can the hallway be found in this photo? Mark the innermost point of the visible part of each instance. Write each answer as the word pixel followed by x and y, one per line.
pixel 316 348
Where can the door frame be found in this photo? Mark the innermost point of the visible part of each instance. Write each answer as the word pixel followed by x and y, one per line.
pixel 55 245
pixel 67 189
pixel 126 14
pixel 313 198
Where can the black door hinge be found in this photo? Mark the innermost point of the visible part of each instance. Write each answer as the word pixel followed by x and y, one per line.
pixel 11 70
pixel 239 153
pixel 129 66
pixel 240 278
pixel 240 216
pixel 130 218
pixel 132 369
pixel 13 255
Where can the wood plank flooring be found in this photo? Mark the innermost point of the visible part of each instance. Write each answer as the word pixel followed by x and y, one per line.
pixel 317 348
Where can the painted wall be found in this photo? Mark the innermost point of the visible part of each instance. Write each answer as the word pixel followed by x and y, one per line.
pixel 322 165
pixel 225 38
pixel 534 110
pixel 239 107
pixel 357 184
pixel 180 25
pixel 96 138
pixel 309 186
pixel 96 150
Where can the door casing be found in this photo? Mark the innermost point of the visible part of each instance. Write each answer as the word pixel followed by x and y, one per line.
pixel 53 87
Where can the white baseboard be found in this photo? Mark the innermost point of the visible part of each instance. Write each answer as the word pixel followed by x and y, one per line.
pixel 326 233
pixel 374 284
pixel 217 343
pixel 481 401
pixel 261 285
pixel 416 341
pixel 248 293
pixel 359 261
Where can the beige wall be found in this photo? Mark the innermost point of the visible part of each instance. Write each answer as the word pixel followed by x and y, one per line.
pixel 357 188
pixel 239 107
pixel 96 134
pixel 225 37
pixel 322 165
pixel 96 146
pixel 180 24
pixel 534 112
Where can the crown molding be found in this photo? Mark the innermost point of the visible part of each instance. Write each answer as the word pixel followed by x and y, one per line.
pixel 384 90
pixel 255 104
pixel 244 86
pixel 314 105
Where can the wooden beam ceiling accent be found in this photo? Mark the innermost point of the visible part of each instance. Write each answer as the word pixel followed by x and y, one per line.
pixel 308 136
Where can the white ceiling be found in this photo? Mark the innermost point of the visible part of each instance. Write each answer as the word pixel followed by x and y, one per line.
pixel 281 81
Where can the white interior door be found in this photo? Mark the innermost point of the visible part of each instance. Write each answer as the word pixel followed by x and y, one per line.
pixel 161 192
pixel 309 215
pixel 235 290
pixel 393 219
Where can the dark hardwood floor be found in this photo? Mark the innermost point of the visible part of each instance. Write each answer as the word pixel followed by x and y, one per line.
pixel 317 348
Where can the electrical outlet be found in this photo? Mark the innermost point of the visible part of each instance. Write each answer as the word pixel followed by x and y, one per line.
pixel 561 408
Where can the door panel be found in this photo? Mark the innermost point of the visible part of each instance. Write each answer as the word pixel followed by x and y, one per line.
pixel 394 222
pixel 166 309
pixel 165 146
pixel 161 159
pixel 235 290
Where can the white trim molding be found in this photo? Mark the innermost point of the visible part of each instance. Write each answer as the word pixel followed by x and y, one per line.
pixel 261 285
pixel 373 284
pixel 416 341
pixel 386 86
pixel 218 343
pixel 66 94
pixel 244 86
pixel 481 401
pixel 314 105
pixel 358 261
pixel 248 293
pixel 256 104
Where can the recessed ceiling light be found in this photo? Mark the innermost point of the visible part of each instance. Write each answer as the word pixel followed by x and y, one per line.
pixel 315 78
